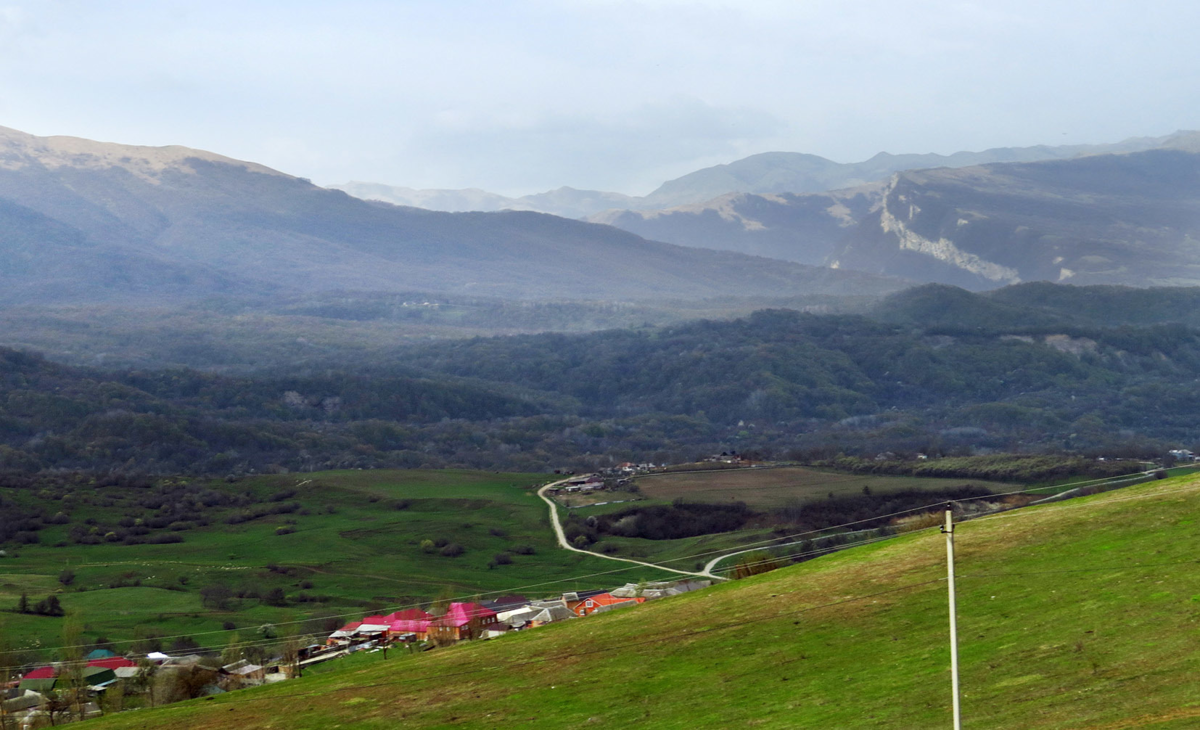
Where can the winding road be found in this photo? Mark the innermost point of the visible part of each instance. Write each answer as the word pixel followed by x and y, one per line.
pixel 562 540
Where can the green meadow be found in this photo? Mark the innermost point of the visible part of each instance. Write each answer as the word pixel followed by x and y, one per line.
pixel 1079 614
pixel 354 546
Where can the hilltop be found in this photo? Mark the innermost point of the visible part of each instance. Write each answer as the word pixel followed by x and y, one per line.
pixel 1074 614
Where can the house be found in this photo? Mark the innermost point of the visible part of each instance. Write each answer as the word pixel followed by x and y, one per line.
pixel 98 677
pixel 100 654
pixel 243 673
pixel 18 700
pixel 659 589
pixel 463 621
pixel 506 603
pixel 372 628
pixel 39 680
pixel 409 621
pixel 342 636
pixel 112 662
pixel 518 618
pixel 550 614
pixel 586 605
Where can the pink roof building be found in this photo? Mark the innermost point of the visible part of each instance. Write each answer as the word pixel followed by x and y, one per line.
pixel 408 621
pixel 464 621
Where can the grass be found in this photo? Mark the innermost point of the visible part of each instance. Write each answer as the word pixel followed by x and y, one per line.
pixel 360 556
pixel 1079 614
pixel 766 488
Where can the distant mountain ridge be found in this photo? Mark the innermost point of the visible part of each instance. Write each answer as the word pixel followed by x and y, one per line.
pixel 802 227
pixel 765 173
pixel 84 221
pixel 1131 219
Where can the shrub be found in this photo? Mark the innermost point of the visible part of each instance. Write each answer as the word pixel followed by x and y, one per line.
pixel 524 550
pixel 497 532
pixel 502 559
pixel 66 577
pixel 452 550
pixel 427 546
pixel 164 539
pixel 275 597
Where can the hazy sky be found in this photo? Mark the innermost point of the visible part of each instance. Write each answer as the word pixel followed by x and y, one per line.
pixel 529 95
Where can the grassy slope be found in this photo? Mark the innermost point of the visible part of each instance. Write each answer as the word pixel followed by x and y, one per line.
pixel 365 551
pixel 1079 614
pixel 761 488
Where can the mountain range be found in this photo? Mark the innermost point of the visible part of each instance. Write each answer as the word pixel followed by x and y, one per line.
pixel 768 172
pixel 84 221
pixel 1107 219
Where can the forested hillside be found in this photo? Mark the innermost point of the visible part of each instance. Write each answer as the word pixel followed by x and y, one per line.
pixel 935 370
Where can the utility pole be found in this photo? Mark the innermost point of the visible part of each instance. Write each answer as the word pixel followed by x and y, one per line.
pixel 948 529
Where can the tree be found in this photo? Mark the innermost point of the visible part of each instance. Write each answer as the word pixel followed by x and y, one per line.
pixel 275 597
pixel 216 596
pixel 23 604
pixel 147 670
pixel 232 651
pixel 70 675
pixel 66 577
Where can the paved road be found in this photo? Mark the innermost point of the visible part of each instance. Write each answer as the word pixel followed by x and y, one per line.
pixel 562 539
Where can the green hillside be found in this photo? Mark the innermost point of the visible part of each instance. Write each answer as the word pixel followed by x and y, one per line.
pixel 1078 614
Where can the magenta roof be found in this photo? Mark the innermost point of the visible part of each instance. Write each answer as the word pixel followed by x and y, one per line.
pixel 410 626
pixel 461 614
pixel 408 614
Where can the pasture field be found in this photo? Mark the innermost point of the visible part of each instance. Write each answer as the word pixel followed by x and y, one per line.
pixel 1078 614
pixel 775 487
pixel 354 546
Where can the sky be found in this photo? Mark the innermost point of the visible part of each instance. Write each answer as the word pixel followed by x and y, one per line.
pixel 520 96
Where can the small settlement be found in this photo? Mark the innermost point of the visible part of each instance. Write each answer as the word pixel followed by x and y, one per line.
pixel 56 693
pixel 491 619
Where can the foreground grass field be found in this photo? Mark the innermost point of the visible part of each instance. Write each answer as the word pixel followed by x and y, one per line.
pixel 1080 614
pixel 356 547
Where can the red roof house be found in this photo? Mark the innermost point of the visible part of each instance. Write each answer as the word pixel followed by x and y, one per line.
pixel 589 605
pixel 112 662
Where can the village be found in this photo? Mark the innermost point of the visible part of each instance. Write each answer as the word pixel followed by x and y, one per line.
pixel 101 681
